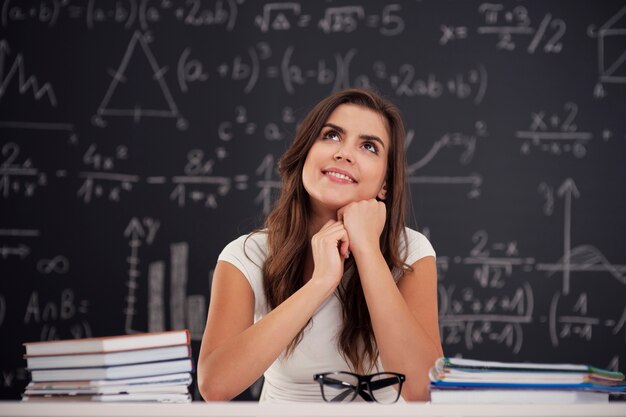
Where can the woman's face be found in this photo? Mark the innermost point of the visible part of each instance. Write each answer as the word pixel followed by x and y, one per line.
pixel 348 161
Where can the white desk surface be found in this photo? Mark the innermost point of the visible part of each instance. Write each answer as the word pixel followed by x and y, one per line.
pixel 252 409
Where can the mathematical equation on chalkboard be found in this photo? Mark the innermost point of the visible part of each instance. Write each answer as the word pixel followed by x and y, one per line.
pixel 493 302
pixel 279 16
pixel 498 303
pixel 101 177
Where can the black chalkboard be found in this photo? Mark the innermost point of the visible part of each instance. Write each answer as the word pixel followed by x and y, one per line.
pixel 139 137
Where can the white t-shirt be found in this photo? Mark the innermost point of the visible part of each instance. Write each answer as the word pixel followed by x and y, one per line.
pixel 291 378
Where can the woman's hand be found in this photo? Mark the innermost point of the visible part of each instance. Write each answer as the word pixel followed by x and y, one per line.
pixel 364 221
pixel 330 249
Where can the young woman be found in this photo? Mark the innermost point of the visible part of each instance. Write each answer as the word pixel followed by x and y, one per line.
pixel 330 283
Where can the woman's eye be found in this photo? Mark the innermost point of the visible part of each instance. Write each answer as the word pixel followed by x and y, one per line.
pixel 370 147
pixel 332 135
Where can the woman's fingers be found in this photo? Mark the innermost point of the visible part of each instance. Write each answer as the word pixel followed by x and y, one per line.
pixel 344 249
pixel 333 233
pixel 364 222
pixel 330 246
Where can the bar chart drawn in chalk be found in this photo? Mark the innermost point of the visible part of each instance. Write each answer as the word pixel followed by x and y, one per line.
pixel 152 84
pixel 185 311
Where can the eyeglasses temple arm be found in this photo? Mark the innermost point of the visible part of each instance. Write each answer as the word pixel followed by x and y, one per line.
pixel 343 395
pixel 364 394
pixel 387 382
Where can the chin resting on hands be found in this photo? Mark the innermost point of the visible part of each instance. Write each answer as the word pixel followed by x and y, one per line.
pixel 364 221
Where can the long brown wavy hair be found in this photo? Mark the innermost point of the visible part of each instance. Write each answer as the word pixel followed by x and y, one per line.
pixel 288 223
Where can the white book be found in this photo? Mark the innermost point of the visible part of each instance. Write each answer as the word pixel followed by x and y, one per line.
pixel 454 370
pixel 515 377
pixel 442 363
pixel 113 372
pixel 83 360
pixel 516 396
pixel 110 389
pixel 179 378
pixel 138 397
pixel 108 344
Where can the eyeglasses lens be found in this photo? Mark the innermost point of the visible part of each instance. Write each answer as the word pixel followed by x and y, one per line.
pixel 339 387
pixel 385 388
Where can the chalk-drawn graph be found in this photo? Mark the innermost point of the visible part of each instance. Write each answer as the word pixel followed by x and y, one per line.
pixel 496 306
pixel 26 83
pixel 15 77
pixel 467 142
pixel 185 311
pixel 155 84
pixel 581 258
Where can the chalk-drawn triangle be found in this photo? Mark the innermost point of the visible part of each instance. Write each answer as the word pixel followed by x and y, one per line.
pixel 124 87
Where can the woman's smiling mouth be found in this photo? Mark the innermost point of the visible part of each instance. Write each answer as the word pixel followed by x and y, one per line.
pixel 339 175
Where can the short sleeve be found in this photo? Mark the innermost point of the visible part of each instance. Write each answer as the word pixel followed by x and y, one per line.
pixel 419 247
pixel 247 253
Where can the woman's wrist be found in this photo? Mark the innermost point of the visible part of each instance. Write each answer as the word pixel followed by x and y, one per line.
pixel 365 251
pixel 322 286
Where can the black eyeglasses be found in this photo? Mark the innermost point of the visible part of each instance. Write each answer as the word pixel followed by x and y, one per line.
pixel 383 387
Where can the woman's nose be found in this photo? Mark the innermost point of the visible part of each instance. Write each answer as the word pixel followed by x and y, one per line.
pixel 343 154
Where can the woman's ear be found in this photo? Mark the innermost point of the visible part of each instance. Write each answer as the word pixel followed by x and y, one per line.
pixel 382 194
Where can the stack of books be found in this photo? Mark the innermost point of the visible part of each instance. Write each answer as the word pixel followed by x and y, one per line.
pixel 153 367
pixel 455 380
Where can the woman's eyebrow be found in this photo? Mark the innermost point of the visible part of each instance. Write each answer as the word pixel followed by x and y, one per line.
pixel 362 136
pixel 333 126
pixel 374 139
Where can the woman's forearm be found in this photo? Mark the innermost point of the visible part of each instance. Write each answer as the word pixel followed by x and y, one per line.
pixel 404 344
pixel 234 365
